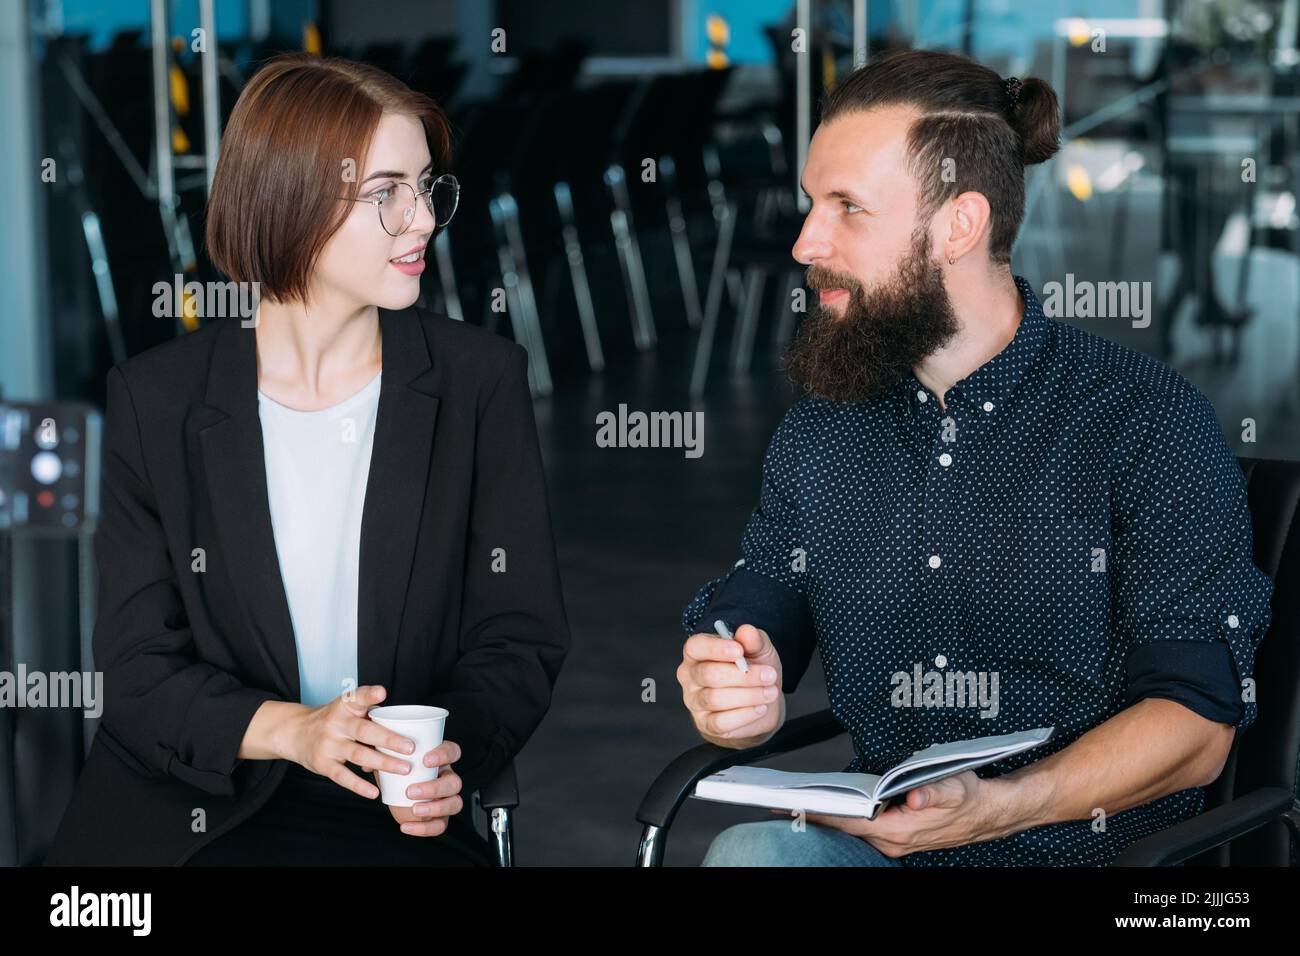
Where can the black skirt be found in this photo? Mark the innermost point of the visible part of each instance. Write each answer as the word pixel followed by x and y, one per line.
pixel 312 821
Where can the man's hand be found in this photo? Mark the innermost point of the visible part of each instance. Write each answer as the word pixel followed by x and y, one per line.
pixel 951 812
pixel 441 796
pixel 731 708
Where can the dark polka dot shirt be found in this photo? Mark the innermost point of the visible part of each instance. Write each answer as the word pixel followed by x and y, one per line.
pixel 1068 536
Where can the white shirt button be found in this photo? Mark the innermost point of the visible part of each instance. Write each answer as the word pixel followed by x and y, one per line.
pixel 1232 620
pixel 945 459
pixel 988 406
pixel 935 561
pixel 920 395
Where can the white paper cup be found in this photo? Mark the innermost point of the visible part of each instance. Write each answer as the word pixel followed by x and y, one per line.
pixel 424 725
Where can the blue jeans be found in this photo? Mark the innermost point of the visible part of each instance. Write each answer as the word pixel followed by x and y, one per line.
pixel 777 843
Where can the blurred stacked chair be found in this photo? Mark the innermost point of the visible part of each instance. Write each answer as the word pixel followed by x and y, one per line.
pixel 669 126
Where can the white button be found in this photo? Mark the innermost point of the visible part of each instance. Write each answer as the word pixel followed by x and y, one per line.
pixel 988 406
pixel 935 561
pixel 1232 620
pixel 920 395
pixel 945 459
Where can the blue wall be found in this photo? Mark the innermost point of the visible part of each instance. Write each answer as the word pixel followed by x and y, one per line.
pixel 746 19
pixel 102 19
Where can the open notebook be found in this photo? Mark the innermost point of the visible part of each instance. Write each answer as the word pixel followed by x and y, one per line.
pixel 860 794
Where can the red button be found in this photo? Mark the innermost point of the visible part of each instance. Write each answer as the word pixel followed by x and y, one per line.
pixel 45 499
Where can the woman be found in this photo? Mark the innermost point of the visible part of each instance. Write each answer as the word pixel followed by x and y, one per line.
pixel 337 503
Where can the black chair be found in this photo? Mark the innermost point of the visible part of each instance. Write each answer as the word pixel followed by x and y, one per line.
pixel 498 799
pixel 1253 814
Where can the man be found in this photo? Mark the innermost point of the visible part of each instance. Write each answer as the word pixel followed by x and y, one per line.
pixel 972 490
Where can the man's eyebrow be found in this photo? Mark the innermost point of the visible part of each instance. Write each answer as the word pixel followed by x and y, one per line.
pixel 841 194
pixel 836 194
pixel 394 174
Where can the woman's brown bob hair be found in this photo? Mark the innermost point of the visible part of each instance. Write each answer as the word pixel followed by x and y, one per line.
pixel 294 146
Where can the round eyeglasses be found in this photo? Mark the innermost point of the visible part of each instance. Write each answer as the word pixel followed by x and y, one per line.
pixel 397 203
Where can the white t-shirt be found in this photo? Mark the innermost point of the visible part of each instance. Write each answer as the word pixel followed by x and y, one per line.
pixel 317 463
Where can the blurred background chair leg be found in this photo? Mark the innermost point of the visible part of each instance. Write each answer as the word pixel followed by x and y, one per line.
pixel 519 298
pixel 527 297
pixel 629 258
pixel 447 276
pixel 742 344
pixel 681 242
pixel 578 275
pixel 713 305
pixel 783 327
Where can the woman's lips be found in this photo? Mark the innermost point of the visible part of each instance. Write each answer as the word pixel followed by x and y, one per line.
pixel 410 268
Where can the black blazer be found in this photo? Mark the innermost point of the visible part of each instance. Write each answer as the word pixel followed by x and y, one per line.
pixel 189 655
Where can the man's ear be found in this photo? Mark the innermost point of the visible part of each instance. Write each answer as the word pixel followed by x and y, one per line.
pixel 969 219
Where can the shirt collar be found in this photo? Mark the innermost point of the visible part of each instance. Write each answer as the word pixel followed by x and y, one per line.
pixel 993 384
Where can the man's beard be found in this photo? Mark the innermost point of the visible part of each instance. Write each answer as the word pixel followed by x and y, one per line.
pixel 881 336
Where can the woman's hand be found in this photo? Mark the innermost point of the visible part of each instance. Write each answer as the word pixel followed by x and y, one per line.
pixel 323 738
pixel 441 796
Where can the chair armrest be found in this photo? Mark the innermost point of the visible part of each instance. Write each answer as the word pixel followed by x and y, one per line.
pixel 677 781
pixel 501 791
pixel 1210 829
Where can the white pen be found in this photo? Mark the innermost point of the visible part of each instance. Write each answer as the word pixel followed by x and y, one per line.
pixel 723 631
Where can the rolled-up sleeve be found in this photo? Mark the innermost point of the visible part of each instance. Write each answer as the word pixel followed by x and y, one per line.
pixel 766 587
pixel 1193 607
pixel 165 712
